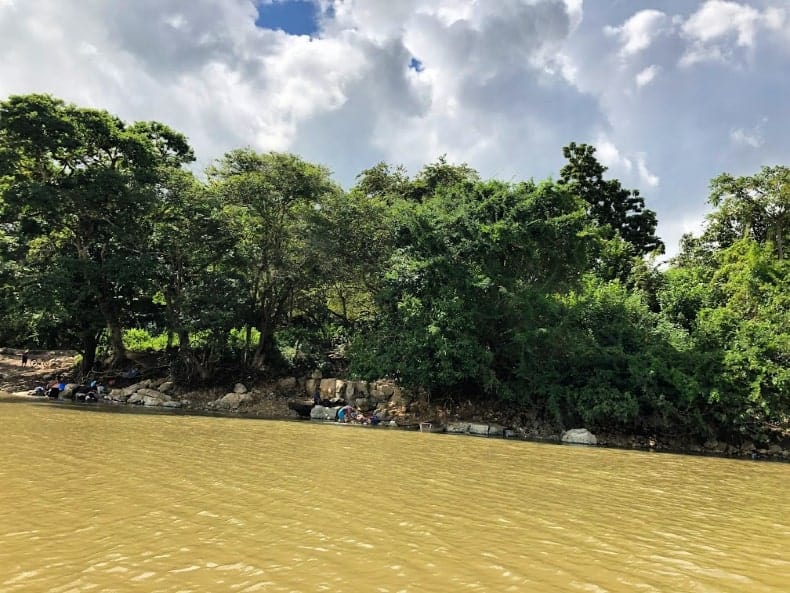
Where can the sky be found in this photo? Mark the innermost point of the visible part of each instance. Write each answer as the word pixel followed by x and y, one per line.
pixel 671 92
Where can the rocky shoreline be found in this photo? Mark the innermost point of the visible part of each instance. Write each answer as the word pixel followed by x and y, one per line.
pixel 292 398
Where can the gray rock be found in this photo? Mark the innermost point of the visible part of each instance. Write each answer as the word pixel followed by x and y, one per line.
pixel 145 392
pixel 171 404
pixel 324 413
pixel 478 429
pixel 239 388
pixel 316 375
pixel 579 436
pixel 496 430
pixel 458 427
pixel 233 401
pixel 328 388
pixel 364 404
pixel 166 387
pixel 134 398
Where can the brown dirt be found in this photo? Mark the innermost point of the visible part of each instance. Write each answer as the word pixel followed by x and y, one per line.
pixel 41 367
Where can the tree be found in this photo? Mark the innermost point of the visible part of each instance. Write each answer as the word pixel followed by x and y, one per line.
pixel 755 206
pixel 466 258
pixel 269 199
pixel 78 184
pixel 609 203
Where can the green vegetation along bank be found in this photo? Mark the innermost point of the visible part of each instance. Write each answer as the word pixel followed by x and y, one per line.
pixel 542 296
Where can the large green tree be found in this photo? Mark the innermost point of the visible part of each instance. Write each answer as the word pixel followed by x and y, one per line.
pixel 269 200
pixel 78 184
pixel 618 210
pixel 753 206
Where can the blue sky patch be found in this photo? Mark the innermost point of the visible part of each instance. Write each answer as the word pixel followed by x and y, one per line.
pixel 295 17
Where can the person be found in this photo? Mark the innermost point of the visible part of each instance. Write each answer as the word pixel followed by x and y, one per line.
pixel 53 389
pixel 374 420
pixel 24 357
pixel 344 413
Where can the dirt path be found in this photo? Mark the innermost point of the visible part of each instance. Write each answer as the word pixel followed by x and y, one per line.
pixel 41 366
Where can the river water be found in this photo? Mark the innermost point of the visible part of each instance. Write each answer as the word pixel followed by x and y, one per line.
pixel 115 502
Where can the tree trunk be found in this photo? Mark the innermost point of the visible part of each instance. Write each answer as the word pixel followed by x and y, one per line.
pixel 183 340
pixel 265 344
pixel 89 343
pixel 116 333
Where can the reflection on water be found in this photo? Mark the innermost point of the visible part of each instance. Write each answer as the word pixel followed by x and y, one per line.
pixel 120 502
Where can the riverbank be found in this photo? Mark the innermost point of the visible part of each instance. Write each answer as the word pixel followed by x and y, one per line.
pixel 290 398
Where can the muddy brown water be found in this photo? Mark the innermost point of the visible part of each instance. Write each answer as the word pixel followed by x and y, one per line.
pixel 109 502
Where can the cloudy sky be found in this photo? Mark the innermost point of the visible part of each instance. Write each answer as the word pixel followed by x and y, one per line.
pixel 672 92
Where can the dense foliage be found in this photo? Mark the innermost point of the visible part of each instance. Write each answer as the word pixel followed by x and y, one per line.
pixel 543 295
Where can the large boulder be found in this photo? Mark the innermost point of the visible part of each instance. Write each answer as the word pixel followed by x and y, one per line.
pixel 167 387
pixel 233 401
pixel 458 427
pixel 327 387
pixel 579 436
pixel 239 388
pixel 324 413
pixel 152 397
pixel 478 428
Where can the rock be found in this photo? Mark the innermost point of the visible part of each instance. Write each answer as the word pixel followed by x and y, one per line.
pixel 458 427
pixel 151 397
pixel 239 388
pixel 579 436
pixel 68 392
pixel 301 407
pixel 287 383
pixel 711 444
pixel 327 387
pixel 132 389
pixel 496 430
pixel 166 387
pixel 171 404
pixel 340 387
pixel 351 390
pixel 117 395
pixel 316 374
pixel 233 401
pixel 135 398
pixel 324 413
pixel 364 404
pixel 775 450
pixel 478 428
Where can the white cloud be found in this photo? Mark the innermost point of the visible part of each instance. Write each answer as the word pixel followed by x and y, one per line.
pixel 638 32
pixel 753 137
pixel 609 156
pixel 645 175
pixel 646 76
pixel 713 28
pixel 505 84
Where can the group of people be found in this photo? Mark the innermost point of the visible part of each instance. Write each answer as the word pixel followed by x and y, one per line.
pixel 348 413
pixel 86 392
